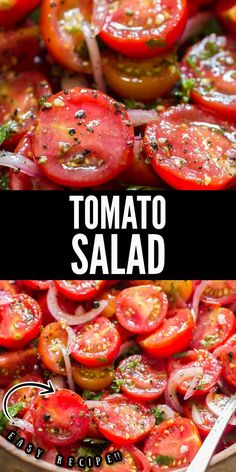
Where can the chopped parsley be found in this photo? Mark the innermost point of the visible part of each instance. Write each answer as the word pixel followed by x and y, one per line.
pixel 6 131
pixel 164 460
pixel 131 365
pixel 183 89
pixel 209 340
pixel 211 49
pixel 179 355
pixel 153 43
pixel 102 359
pixel 88 395
pixel 131 104
pixel 192 62
pixel 158 415
pixel 116 385
pixel 13 411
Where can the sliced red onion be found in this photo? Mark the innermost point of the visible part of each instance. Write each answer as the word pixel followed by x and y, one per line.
pixel 94 404
pixel 194 25
pixel 79 311
pixel 58 382
pixel 69 319
pixel 179 301
pixel 142 117
pixel 138 146
pixel 98 16
pixel 19 162
pixel 22 424
pixel 192 387
pixel 216 408
pixel 68 368
pixel 198 295
pixel 196 415
pixel 226 388
pixel 5 298
pixel 169 413
pixel 174 380
pixel 95 56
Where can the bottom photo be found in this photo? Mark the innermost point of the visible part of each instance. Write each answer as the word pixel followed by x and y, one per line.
pixel 119 376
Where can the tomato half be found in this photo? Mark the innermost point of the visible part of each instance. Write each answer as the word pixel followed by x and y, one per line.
pixel 7 286
pixel 82 138
pixel 227 358
pixel 226 12
pixel 80 290
pixel 174 335
pixel 176 288
pixel 214 326
pixel 20 322
pixel 143 29
pixel 140 80
pixel 26 395
pixel 61 30
pixel 176 439
pixel 197 358
pixel 97 343
pixel 18 48
pixel 132 459
pixel 197 411
pixel 14 364
pixel 61 418
pixel 37 284
pixel 123 421
pixel 211 63
pixel 191 149
pixel 220 292
pixel 93 378
pixel 19 97
pixel 141 309
pixel 142 379
pixel 52 340
pixel 12 11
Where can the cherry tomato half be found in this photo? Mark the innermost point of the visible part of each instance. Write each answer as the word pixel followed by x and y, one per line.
pixel 132 459
pixel 18 48
pixel 14 364
pixel 197 411
pixel 12 11
pixel 80 290
pixel 93 378
pixel 226 12
pixel 52 340
pixel 26 395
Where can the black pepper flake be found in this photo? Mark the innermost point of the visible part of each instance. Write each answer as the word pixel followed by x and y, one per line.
pixel 47 417
pixel 80 114
pixel 96 304
pixel 66 91
pixel 72 132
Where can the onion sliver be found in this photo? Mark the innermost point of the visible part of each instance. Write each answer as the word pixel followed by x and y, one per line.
pixel 98 16
pixel 95 56
pixel 5 299
pixel 142 117
pixel 22 424
pixel 19 162
pixel 174 380
pixel 167 410
pixel 58 382
pixel 196 415
pixel 198 295
pixel 68 368
pixel 93 404
pixel 195 24
pixel 216 408
pixel 69 319
pixel 192 387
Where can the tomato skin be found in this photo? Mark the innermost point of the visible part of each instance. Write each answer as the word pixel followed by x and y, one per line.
pixel 25 315
pixel 208 418
pixel 193 170
pixel 53 336
pixel 16 11
pixel 176 288
pixel 67 421
pixel 120 429
pixel 209 333
pixel 8 287
pixel 92 378
pixel 143 379
pixel 80 290
pixel 37 284
pixel 180 431
pixel 127 41
pixel 24 395
pixel 141 309
pixel 14 364
pixel 18 48
pixel 174 335
pixel 132 459
pixel 227 358
pixel 98 343
pixel 226 12
pixel 76 132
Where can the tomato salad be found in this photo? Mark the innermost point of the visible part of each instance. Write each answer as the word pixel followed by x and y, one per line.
pixel 136 366
pixel 117 94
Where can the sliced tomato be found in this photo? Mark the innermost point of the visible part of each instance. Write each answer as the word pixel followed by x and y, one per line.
pixel 85 138
pixel 52 340
pixel 211 63
pixel 141 309
pixel 144 29
pixel 38 284
pixel 197 358
pixel 220 292
pixel 93 378
pixel 132 459
pixel 214 326
pixel 174 335
pixel 226 12
pixel 18 48
pixel 142 379
pixel 66 305
pixel 176 289
pixel 97 343
pixel 61 418
pixel 197 411
pixel 123 421
pixel 227 358
pixel 191 149
pixel 14 364
pixel 7 286
pixel 20 322
pixel 110 295
pixel 80 290
pixel 140 80
pixel 175 441
pixel 61 29
pixel 12 11
pixel 19 97
pixel 25 396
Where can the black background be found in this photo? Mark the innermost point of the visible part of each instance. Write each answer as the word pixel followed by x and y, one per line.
pixel 37 229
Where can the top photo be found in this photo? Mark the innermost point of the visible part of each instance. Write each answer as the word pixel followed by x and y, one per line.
pixel 117 95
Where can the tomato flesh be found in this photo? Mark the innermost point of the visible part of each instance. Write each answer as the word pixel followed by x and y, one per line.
pixel 80 290
pixel 132 459
pixel 14 364
pixel 53 339
pixel 26 395
pixel 207 418
pixel 12 11
pixel 18 48
pixel 214 326
pixel 93 378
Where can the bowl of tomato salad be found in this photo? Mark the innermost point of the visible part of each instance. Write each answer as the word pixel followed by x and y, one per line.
pixel 117 94
pixel 141 369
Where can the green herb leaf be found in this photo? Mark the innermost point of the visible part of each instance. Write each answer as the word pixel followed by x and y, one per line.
pixel 4 182
pixel 164 460
pixel 179 355
pixel 156 43
pixel 5 132
pixel 209 340
pixel 191 60
pixel 87 395
pixel 13 411
pixel 158 415
pixel 116 385
pixel 183 89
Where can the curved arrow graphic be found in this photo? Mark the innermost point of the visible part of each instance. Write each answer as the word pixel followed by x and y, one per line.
pixel 47 389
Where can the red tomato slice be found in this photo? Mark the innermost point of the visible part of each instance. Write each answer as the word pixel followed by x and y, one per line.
pixel 197 358
pixel 177 439
pixel 197 411
pixel 82 138
pixel 143 379
pixel 52 339
pixel 220 292
pixel 19 97
pixel 80 290
pixel 37 284
pixel 141 309
pixel 16 363
pixel 192 150
pixel 174 335
pixel 26 395
pixel 123 421
pixel 61 418
pixel 12 11
pixel 97 344
pixel 211 63
pixel 227 358
pixel 144 29
pixel 18 48
pixel 214 326
pixel 7 286
pixel 20 322
pixel 132 460
pixel 226 12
